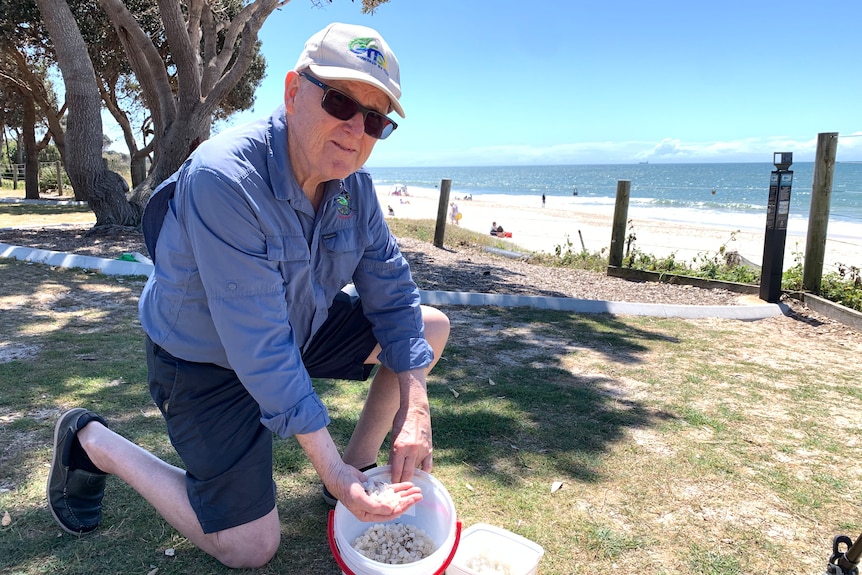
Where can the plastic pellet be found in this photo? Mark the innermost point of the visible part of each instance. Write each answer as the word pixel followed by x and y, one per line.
pixel 394 544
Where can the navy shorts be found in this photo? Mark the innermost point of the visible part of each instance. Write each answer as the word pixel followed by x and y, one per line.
pixel 214 424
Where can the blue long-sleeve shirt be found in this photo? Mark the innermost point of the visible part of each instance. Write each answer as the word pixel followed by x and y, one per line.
pixel 246 271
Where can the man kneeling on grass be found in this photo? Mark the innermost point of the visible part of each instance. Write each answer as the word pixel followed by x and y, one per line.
pixel 258 233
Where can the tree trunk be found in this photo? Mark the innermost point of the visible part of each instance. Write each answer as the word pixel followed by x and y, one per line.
pixel 138 166
pixel 138 162
pixel 176 144
pixel 32 85
pixel 90 177
pixel 31 154
pixel 111 208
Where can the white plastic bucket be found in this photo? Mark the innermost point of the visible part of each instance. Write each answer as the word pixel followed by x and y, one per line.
pixel 435 515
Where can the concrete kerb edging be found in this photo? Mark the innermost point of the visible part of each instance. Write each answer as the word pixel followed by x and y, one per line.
pixel 43 202
pixel 64 260
pixel 740 312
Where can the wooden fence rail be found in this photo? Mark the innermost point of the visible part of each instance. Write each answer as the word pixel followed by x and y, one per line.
pixel 16 172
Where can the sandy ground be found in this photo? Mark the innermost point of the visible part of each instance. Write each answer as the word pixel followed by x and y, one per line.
pixel 542 229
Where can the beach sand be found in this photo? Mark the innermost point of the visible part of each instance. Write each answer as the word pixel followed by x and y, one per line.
pixel 543 229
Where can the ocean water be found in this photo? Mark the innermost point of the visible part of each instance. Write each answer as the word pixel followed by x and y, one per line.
pixel 733 195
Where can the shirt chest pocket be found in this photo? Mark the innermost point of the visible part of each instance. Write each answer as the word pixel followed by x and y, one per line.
pixel 343 240
pixel 287 249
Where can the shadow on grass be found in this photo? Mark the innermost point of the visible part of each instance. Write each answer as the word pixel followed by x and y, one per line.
pixel 536 406
pixel 41 209
pixel 81 345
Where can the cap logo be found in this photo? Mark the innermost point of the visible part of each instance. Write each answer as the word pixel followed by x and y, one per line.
pixel 366 49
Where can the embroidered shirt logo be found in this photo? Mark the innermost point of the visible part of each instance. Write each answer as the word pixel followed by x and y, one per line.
pixel 366 49
pixel 342 203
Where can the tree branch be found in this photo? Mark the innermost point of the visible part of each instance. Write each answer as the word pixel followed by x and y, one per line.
pixel 147 63
pixel 245 27
pixel 186 56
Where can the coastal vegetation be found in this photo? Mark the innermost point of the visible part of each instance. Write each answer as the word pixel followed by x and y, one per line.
pixel 843 286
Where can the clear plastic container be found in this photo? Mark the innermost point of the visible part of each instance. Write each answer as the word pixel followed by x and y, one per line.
pixel 499 550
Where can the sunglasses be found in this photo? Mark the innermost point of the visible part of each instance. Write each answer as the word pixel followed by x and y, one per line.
pixel 341 106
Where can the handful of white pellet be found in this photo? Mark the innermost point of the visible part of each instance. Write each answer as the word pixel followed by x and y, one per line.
pixel 394 543
pixel 382 492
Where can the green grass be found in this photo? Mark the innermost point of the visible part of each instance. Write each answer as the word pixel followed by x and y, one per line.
pixel 684 446
pixel 673 457
pixel 30 215
pixel 423 230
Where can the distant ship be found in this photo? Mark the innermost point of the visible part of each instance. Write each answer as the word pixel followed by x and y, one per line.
pixel 643 163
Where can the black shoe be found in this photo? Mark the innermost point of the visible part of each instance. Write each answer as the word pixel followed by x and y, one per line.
pixel 75 485
pixel 330 498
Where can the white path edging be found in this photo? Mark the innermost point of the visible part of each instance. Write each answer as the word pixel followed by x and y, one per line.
pixel 741 312
pixel 43 202
pixel 144 268
pixel 64 260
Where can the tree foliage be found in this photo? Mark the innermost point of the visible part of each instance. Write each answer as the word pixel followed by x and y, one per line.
pixel 185 64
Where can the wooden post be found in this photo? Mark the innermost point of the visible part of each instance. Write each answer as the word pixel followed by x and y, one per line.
pixel 14 176
pixel 818 214
pixel 442 207
pixel 618 229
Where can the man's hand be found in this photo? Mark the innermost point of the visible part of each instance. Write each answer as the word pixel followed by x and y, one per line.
pixel 346 483
pixel 411 429
pixel 351 493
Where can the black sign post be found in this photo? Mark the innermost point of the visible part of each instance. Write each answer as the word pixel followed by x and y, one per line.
pixel 777 214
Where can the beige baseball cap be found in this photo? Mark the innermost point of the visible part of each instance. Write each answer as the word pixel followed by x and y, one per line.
pixel 353 52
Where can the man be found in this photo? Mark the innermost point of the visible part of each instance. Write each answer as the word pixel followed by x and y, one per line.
pixel 259 231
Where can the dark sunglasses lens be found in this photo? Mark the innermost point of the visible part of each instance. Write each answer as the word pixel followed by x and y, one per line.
pixel 339 105
pixel 343 107
pixel 377 125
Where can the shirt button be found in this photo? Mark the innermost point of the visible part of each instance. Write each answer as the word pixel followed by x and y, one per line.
pixel 231 286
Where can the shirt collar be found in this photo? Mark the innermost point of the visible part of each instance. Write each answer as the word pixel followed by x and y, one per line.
pixel 282 180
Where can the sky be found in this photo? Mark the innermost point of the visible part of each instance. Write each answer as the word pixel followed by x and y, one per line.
pixel 541 82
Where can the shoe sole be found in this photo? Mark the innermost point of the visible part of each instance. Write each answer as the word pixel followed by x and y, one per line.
pixel 54 462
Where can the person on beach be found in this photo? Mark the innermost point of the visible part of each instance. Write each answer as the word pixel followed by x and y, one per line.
pixel 496 230
pixel 453 213
pixel 543 200
pixel 253 240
